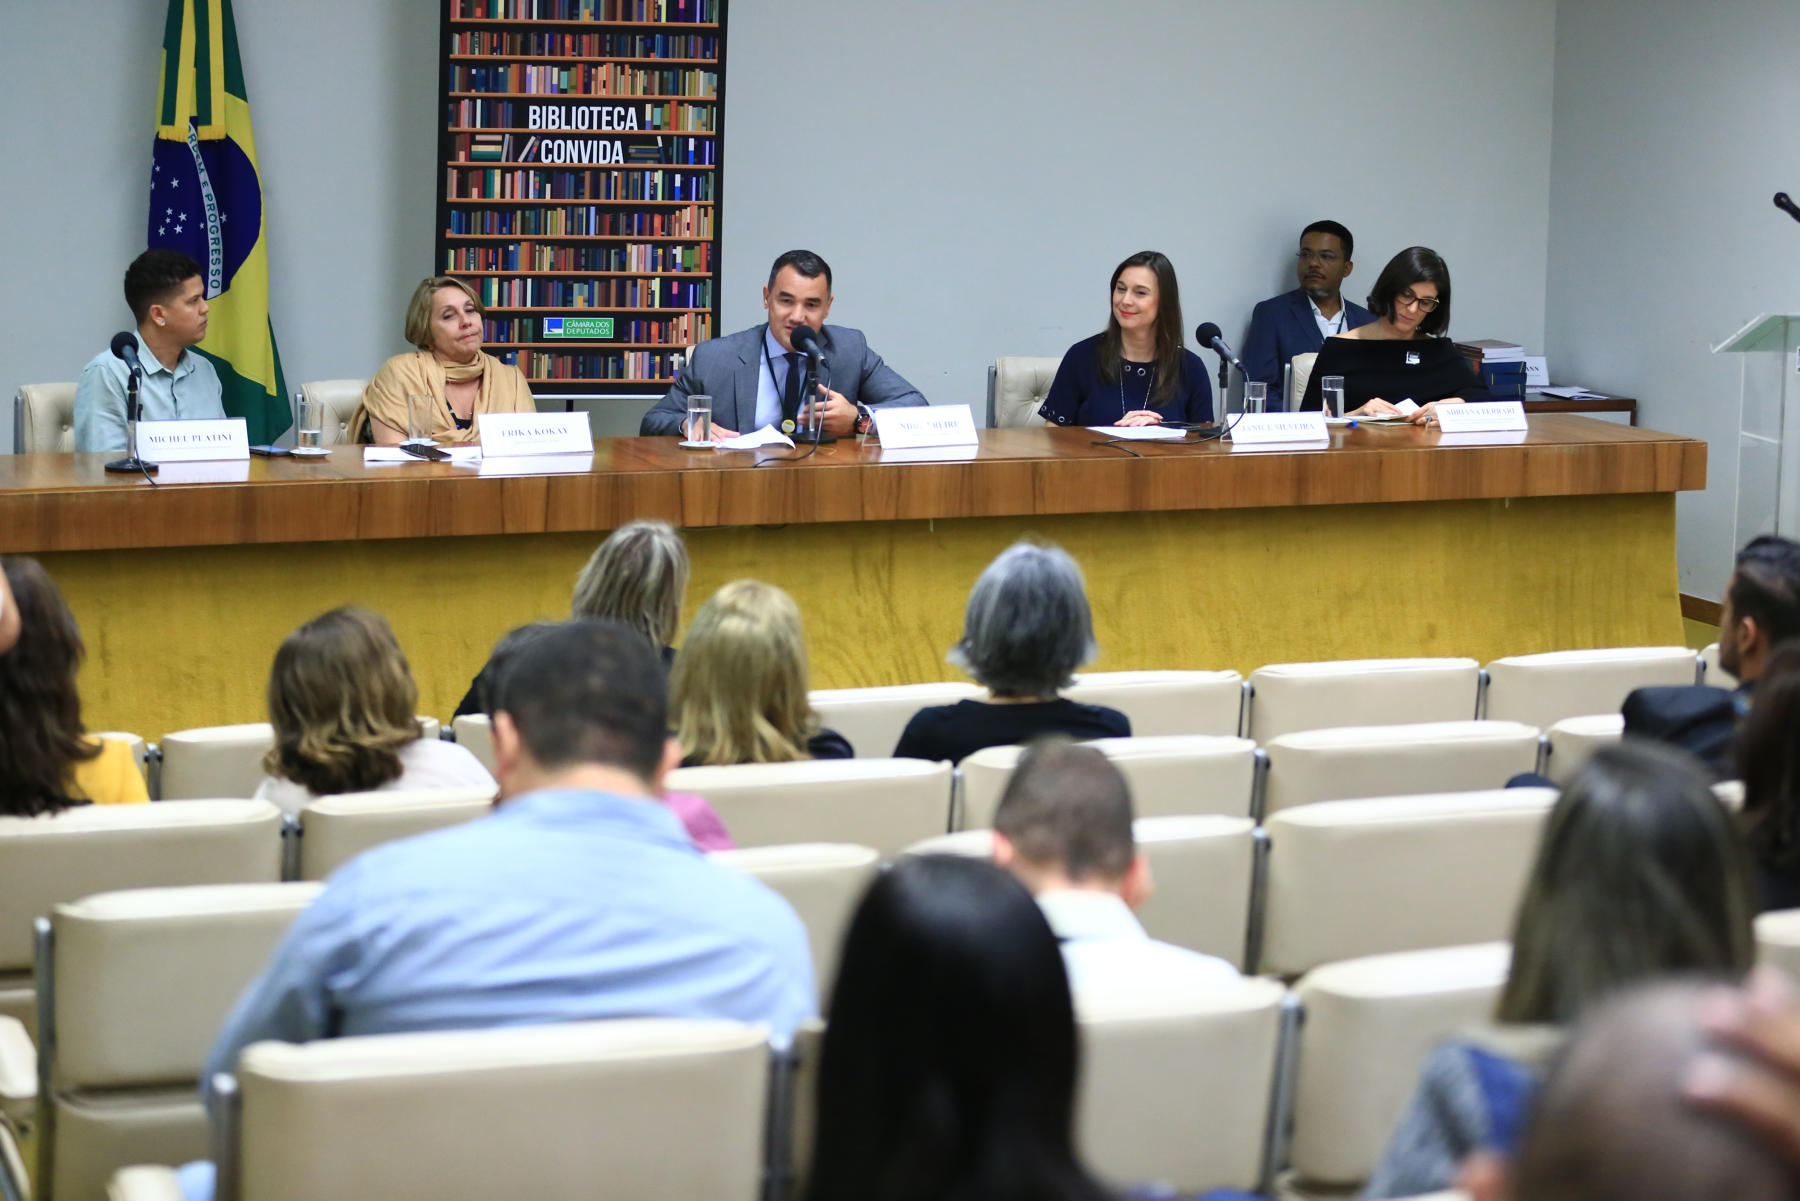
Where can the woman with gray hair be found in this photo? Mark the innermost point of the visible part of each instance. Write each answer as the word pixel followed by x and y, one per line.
pixel 637 576
pixel 1026 630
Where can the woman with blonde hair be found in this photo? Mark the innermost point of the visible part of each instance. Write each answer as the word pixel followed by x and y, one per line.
pixel 739 687
pixel 443 320
pixel 342 701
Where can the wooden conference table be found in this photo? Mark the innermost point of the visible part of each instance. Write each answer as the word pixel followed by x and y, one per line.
pixel 1391 542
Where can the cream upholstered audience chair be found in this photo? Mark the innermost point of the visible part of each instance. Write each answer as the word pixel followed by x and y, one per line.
pixel 45 419
pixel 1542 689
pixel 633 1110
pixel 137 986
pixel 1167 702
pixel 1300 373
pixel 1205 873
pixel 883 803
pixel 340 398
pixel 1373 761
pixel 476 734
pixel 1289 697
pixel 1017 386
pixel 1353 878
pixel 45 861
pixel 1170 775
pixel 1711 672
pixel 1177 1088
pixel 1369 1025
pixel 823 882
pixel 1573 740
pixel 336 829
pixel 1778 941
pixel 871 719
pixel 224 761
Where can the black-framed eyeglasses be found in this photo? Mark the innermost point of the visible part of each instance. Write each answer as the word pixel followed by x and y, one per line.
pixel 1318 256
pixel 1426 303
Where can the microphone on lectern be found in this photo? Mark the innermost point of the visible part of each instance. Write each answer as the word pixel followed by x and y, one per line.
pixel 125 348
pixel 1211 337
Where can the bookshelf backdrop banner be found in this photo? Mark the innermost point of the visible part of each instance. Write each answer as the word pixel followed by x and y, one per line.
pixel 581 183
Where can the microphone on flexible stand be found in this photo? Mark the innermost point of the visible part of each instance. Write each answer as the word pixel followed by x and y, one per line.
pixel 124 347
pixel 1787 206
pixel 1210 336
pixel 806 340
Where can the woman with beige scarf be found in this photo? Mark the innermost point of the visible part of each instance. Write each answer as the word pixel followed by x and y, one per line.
pixel 444 322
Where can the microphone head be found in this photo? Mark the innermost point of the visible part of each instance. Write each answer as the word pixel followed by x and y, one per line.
pixel 805 339
pixel 124 345
pixel 1206 333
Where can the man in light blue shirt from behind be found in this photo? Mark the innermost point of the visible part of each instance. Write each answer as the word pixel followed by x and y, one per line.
pixel 580 897
pixel 167 296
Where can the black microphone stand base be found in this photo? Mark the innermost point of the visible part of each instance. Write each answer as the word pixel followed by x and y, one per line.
pixel 131 466
pixel 813 437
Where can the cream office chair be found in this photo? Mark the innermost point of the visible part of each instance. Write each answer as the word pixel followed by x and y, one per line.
pixel 633 1110
pixel 1299 375
pixel 44 419
pixel 1287 697
pixel 476 734
pixel 872 718
pixel 1543 689
pixel 882 803
pixel 1778 941
pixel 340 398
pixel 1016 387
pixel 45 861
pixel 336 829
pixel 138 985
pixel 1177 1088
pixel 1167 702
pixel 224 761
pixel 823 882
pixel 1205 873
pixel 1170 775
pixel 1369 1025
pixel 1353 878
pixel 1573 740
pixel 1375 761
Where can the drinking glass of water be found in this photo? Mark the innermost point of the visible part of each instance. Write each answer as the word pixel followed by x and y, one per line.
pixel 310 434
pixel 1256 397
pixel 1331 387
pixel 698 427
pixel 420 414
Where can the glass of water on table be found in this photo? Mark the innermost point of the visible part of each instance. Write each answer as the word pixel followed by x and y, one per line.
pixel 1331 388
pixel 697 429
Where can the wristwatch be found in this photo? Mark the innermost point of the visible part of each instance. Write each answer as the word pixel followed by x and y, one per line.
pixel 865 420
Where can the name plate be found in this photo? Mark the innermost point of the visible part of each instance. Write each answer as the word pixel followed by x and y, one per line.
pixel 1261 429
pixel 192 441
pixel 1481 416
pixel 925 425
pixel 508 435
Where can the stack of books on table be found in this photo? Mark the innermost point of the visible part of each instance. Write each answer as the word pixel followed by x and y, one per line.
pixel 1501 366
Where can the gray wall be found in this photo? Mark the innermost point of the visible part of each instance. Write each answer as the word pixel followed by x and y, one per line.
pixel 1674 127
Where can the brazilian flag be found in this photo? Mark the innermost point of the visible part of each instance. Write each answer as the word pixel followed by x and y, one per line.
pixel 206 200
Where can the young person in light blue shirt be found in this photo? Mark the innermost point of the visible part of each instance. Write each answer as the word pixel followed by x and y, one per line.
pixel 167 295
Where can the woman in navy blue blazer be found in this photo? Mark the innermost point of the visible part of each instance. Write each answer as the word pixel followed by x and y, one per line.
pixel 1138 371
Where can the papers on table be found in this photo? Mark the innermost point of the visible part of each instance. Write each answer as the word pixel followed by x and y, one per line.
pixel 461 456
pixel 768 435
pixel 1140 433
pixel 1566 392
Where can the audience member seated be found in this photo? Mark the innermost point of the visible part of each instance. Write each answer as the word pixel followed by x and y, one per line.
pixel 9 617
pixel 449 369
pixel 580 897
pixel 166 292
pixel 949 1065
pixel 1025 633
pixel 1761 607
pixel 637 576
pixel 1063 827
pixel 1406 352
pixel 739 686
pixel 1298 322
pixel 1611 1122
pixel 1640 873
pixel 1138 371
pixel 48 762
pixel 343 703
pixel 1756 1085
pixel 1767 754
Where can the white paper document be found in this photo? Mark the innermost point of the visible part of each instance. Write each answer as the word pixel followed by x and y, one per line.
pixel 1140 433
pixel 1565 392
pixel 459 455
pixel 768 435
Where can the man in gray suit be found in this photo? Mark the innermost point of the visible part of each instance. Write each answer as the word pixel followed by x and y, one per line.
pixel 753 376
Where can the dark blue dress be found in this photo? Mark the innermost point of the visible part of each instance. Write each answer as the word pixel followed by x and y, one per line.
pixel 1078 396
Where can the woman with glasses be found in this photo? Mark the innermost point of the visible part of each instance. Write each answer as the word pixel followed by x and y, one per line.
pixel 1406 352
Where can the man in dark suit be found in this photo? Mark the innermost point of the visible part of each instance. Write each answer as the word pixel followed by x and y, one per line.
pixel 1761 607
pixel 1298 322
pixel 753 376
